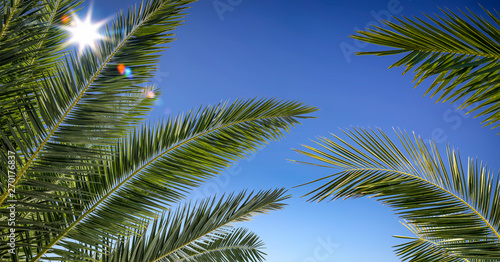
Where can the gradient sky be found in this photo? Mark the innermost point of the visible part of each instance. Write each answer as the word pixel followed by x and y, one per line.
pixel 291 49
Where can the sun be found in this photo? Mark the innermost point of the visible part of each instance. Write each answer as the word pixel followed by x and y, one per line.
pixel 84 33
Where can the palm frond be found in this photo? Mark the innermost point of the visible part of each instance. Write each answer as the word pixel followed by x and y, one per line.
pixel 452 200
pixel 157 165
pixel 463 52
pixel 202 231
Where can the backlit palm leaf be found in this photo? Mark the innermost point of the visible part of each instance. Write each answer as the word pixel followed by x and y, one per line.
pixel 447 200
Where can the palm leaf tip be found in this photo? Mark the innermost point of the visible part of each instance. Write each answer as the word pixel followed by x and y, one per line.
pixel 448 199
pixel 461 51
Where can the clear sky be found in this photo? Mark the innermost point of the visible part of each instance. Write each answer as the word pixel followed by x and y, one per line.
pixel 292 49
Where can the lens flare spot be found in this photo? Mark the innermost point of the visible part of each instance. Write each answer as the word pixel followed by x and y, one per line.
pixel 65 19
pixel 150 94
pixel 121 69
pixel 128 72
pixel 167 111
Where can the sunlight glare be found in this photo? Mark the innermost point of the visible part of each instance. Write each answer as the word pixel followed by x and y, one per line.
pixel 84 33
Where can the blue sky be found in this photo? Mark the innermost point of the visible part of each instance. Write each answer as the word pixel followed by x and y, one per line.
pixel 293 50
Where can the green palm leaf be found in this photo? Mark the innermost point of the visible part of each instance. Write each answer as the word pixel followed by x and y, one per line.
pixel 448 200
pixel 156 165
pixel 462 52
pixel 202 232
